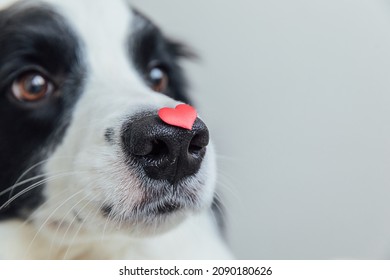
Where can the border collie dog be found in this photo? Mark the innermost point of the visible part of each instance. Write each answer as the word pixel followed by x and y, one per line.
pixel 88 168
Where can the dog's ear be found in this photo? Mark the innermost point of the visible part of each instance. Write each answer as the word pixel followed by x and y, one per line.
pixel 149 41
pixel 142 21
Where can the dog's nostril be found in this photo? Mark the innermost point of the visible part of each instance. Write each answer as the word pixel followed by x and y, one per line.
pixel 194 149
pixel 159 149
pixel 198 143
pixel 149 148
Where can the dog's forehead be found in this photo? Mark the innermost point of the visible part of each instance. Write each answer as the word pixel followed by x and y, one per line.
pixel 81 11
pixel 95 17
pixel 102 26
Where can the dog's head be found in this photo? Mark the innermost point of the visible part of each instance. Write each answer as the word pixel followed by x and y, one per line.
pixel 81 142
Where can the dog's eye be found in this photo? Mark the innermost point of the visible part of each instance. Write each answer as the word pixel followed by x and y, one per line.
pixel 31 86
pixel 158 79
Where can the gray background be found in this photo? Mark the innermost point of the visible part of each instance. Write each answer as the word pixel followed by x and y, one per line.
pixel 296 95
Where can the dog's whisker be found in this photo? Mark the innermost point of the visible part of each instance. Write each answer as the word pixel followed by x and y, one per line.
pixel 44 175
pixel 70 244
pixel 50 216
pixel 33 186
pixel 47 202
pixel 11 188
pixel 226 184
pixel 61 222
pixel 19 194
pixel 97 212
pixel 89 201
pixel 70 210
pixel 25 173
pixel 38 164
pixel 108 218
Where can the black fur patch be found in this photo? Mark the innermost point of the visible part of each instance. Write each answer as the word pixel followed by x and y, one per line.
pixel 148 46
pixel 33 37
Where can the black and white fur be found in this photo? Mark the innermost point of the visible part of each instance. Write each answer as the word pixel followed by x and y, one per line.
pixel 67 188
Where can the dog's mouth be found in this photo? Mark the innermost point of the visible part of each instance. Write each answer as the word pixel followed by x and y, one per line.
pixel 151 209
pixel 167 208
pixel 158 202
pixel 149 218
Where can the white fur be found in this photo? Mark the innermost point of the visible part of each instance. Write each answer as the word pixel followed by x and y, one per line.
pixel 87 172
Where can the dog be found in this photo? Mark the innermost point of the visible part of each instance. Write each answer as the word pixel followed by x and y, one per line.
pixel 90 169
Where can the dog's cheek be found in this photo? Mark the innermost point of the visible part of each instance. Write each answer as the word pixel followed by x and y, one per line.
pixel 97 175
pixel 107 179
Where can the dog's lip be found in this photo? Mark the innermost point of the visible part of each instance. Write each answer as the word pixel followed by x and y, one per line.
pixel 165 199
pixel 161 208
pixel 167 208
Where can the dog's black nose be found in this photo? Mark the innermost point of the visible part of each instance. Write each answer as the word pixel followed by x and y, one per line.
pixel 165 152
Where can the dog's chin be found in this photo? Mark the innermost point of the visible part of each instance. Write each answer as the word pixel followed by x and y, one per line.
pixel 158 211
pixel 141 225
pixel 147 226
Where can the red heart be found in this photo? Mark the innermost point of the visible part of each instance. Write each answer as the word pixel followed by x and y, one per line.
pixel 182 115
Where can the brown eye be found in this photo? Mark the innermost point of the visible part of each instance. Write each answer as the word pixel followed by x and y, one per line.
pixel 158 79
pixel 31 87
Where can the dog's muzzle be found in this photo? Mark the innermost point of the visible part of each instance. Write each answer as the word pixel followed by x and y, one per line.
pixel 163 151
